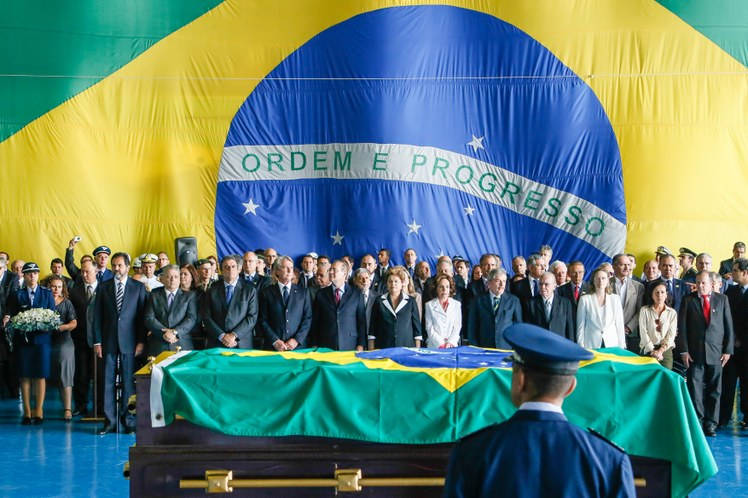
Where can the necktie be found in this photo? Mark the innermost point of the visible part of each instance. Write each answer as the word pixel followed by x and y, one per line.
pixel 707 309
pixel 99 275
pixel 496 301
pixel 229 293
pixel 548 310
pixel 89 292
pixel 120 295
pixel 285 296
pixel 576 293
pixel 337 296
pixel 169 299
pixel 534 287
pixel 669 286
pixel 31 296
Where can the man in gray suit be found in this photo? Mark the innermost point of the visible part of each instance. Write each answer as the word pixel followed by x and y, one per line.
pixel 631 293
pixel 705 341
pixel 170 314
pixel 230 309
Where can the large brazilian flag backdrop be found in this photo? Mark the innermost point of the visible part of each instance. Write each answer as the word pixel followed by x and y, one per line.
pixel 459 126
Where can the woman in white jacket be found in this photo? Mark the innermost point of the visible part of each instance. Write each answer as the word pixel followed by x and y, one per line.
pixel 443 315
pixel 600 315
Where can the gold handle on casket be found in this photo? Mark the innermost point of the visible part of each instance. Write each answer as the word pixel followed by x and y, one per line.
pixel 345 480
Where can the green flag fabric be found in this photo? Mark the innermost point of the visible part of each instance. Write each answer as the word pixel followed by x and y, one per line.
pixel 395 396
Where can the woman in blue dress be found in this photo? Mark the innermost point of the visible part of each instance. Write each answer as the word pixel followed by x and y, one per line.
pixel 33 350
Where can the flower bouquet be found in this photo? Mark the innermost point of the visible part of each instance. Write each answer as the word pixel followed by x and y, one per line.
pixel 35 320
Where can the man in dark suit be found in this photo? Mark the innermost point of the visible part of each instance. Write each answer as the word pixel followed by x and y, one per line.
pixel 725 267
pixel 55 268
pixel 487 263
pixel 83 297
pixel 705 341
pixel 422 274
pixel 170 314
pixel 230 309
pixel 512 458
pixel 250 275
pixel 370 264
pixel 362 281
pixel 550 311
pixel 308 270
pixel 285 310
pixel 339 314
pixel 119 333
pixel 676 288
pixel 8 371
pixel 576 287
pixel 491 313
pixel 528 287
pixel 379 283
pixel 737 367
pixel 410 259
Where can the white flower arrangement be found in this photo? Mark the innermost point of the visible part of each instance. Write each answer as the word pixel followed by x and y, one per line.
pixel 36 319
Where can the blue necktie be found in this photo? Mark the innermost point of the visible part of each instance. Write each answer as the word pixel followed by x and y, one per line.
pixel 496 302
pixel 535 290
pixel 229 293
pixel 285 296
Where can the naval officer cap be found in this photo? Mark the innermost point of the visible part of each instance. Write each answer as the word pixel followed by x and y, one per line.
pixel 102 249
pixel 149 258
pixel 663 251
pixel 687 251
pixel 540 349
pixel 30 267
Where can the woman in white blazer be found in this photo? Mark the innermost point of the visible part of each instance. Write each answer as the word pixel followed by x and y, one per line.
pixel 600 315
pixel 443 315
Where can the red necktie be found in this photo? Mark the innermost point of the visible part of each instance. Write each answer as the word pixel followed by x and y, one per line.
pixel 707 308
pixel 576 293
pixel 337 296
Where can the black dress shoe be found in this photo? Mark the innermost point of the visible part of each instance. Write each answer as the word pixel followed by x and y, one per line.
pixel 106 429
pixel 129 429
pixel 710 432
pixel 36 420
pixel 26 421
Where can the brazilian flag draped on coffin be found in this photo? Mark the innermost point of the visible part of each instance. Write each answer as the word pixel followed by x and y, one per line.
pixel 419 396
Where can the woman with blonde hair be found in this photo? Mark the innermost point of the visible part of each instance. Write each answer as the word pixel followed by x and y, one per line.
pixel 600 315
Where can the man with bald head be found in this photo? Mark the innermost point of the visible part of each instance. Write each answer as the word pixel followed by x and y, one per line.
pixel 551 311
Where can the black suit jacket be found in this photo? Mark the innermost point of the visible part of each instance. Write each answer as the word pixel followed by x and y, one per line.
pixel 285 322
pixel 739 308
pixel 85 311
pixel 259 282
pixel 8 285
pixel 343 326
pixel 397 327
pixel 486 329
pixel 239 316
pixel 726 266
pixel 705 344
pixel 182 316
pixel 562 316
pixel 119 332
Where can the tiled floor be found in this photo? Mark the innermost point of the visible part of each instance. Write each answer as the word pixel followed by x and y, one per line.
pixel 70 460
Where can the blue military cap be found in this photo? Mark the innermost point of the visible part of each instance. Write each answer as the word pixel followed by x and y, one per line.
pixel 541 349
pixel 102 249
pixel 30 267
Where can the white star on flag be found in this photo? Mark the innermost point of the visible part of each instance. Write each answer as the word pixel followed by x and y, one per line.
pixel 250 207
pixel 469 210
pixel 337 239
pixel 476 143
pixel 414 227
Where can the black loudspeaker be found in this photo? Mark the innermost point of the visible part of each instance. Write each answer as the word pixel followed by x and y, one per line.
pixel 185 250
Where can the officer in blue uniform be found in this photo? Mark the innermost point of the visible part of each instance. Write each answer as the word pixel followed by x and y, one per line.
pixel 537 452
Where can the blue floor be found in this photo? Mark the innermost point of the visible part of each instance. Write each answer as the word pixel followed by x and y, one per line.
pixel 69 460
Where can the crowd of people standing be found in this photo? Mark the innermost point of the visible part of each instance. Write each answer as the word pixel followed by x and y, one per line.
pixel 116 312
